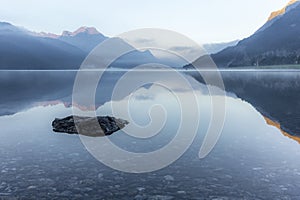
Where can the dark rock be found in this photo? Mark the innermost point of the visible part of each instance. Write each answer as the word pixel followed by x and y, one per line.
pixel 89 126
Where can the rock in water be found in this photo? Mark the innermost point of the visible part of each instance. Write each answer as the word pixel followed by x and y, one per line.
pixel 89 126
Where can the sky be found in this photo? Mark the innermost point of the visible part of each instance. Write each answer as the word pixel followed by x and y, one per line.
pixel 205 21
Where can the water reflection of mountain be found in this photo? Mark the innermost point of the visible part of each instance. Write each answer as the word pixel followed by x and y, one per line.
pixel 277 125
pixel 273 93
pixel 23 89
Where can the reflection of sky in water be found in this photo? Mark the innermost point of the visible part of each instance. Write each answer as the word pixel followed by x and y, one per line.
pixel 251 160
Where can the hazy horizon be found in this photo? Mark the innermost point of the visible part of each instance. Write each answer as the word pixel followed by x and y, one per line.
pixel 202 21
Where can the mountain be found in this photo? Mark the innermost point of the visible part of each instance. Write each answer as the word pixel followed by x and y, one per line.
pixel 21 50
pixel 85 38
pixel 217 47
pixel 133 58
pixel 283 10
pixel 276 43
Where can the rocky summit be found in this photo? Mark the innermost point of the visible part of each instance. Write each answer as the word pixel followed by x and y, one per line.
pixel 88 126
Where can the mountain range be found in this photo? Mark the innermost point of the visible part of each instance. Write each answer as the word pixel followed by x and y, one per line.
pixel 23 49
pixel 275 43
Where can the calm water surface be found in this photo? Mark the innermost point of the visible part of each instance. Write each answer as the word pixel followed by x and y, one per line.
pixel 251 160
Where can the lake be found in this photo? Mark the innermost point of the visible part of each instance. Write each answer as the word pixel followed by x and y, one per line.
pixel 251 160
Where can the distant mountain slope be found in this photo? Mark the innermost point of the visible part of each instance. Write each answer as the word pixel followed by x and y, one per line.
pixel 133 58
pixel 276 43
pixel 217 47
pixel 85 38
pixel 21 50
